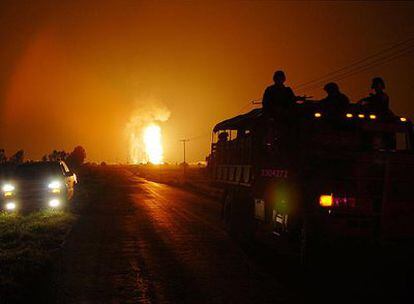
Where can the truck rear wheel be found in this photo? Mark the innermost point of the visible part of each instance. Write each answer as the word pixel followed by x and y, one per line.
pixel 238 214
pixel 230 214
pixel 304 239
pixel 226 210
pixel 310 243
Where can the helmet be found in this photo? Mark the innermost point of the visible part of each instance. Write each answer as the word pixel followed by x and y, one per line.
pixel 331 87
pixel 378 82
pixel 279 76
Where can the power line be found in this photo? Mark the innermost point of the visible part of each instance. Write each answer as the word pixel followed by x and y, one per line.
pixel 358 61
pixel 184 141
pixel 361 63
pixel 377 62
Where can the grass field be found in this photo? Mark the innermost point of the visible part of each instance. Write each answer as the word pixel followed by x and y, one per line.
pixel 27 246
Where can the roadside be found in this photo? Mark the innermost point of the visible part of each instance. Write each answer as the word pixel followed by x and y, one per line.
pixel 27 246
pixel 95 265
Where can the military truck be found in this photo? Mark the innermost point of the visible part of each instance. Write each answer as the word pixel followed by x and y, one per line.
pixel 313 176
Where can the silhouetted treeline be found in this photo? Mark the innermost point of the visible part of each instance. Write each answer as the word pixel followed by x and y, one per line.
pixel 55 156
pixel 74 159
pixel 77 157
pixel 16 158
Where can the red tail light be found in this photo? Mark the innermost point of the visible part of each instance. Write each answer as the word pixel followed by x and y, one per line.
pixel 332 201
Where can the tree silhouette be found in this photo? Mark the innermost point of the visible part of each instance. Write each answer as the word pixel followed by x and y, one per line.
pixel 57 155
pixel 3 158
pixel 76 157
pixel 17 158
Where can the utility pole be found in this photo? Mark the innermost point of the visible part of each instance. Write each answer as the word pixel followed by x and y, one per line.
pixel 184 162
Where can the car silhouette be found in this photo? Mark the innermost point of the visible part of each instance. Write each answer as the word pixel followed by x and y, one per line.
pixel 37 185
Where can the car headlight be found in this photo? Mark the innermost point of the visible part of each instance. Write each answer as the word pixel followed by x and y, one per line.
pixel 10 206
pixel 8 188
pixel 54 203
pixel 54 185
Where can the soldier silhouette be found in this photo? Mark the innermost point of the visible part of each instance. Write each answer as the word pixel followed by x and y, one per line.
pixel 378 101
pixel 335 101
pixel 278 99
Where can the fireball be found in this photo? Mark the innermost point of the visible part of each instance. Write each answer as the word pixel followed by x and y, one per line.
pixel 153 145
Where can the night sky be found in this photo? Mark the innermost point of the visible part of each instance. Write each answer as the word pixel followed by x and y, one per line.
pixel 74 73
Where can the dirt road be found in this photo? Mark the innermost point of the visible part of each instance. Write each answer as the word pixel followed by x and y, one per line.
pixel 143 242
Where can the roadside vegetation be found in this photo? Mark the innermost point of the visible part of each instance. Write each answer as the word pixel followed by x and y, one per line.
pixel 27 247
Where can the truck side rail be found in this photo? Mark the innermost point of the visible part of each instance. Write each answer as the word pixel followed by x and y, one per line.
pixel 234 174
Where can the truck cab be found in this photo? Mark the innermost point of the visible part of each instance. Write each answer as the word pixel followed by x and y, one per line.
pixel 316 174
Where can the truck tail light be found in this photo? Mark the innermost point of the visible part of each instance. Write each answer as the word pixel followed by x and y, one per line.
pixel 331 201
pixel 326 200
